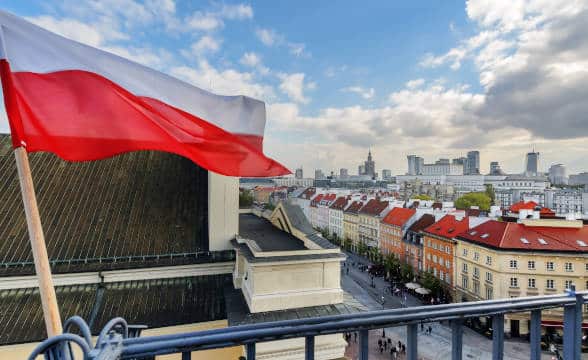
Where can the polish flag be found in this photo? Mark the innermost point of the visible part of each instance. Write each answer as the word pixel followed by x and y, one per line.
pixel 82 103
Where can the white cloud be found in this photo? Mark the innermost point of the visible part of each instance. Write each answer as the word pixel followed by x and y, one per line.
pixel 71 28
pixel 268 36
pixel 294 86
pixel 298 49
pixel 206 44
pixel 204 21
pixel 250 59
pixel 225 82
pixel 416 83
pixel 237 11
pixel 363 92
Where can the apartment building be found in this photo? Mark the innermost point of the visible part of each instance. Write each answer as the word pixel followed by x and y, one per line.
pixel 393 228
pixel 336 227
pixel 369 221
pixel 351 222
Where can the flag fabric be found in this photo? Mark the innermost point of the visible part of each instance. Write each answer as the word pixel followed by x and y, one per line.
pixel 82 103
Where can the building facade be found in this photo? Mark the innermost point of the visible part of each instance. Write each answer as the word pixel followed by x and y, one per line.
pixel 369 221
pixel 393 228
pixel 336 227
pixel 413 242
pixel 351 222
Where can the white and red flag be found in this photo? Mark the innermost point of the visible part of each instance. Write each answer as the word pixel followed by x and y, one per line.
pixel 82 103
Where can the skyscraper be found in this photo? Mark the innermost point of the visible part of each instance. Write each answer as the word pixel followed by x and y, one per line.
pixel 386 174
pixel 473 163
pixel 415 164
pixel 557 174
pixel 370 165
pixel 495 168
pixel 298 174
pixel 343 173
pixel 318 174
pixel 532 163
pixel 361 170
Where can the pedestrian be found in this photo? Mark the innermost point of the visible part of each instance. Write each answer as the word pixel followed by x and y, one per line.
pixel 399 345
pixel 403 349
pixel 381 349
pixel 347 271
pixel 430 330
pixel 389 341
pixel 380 343
pixel 355 336
pixel 422 327
pixel 385 345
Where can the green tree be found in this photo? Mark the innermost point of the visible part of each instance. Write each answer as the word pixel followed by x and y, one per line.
pixel 392 265
pixel 430 282
pixel 491 194
pixel 479 199
pixel 347 244
pixel 422 197
pixel 406 272
pixel 361 248
pixel 245 199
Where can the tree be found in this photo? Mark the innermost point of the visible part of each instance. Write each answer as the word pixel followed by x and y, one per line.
pixel 479 199
pixel 491 194
pixel 361 248
pixel 347 244
pixel 406 272
pixel 422 197
pixel 392 265
pixel 429 281
pixel 245 199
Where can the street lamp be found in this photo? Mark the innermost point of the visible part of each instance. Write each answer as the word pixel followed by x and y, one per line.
pixel 383 301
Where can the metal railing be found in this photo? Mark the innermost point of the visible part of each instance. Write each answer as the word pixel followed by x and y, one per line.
pixel 116 345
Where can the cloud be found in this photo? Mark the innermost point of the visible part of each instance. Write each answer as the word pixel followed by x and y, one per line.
pixel 250 59
pixel 206 44
pixel 237 11
pixel 204 21
pixel 268 37
pixel 294 86
pixel 298 49
pixel 224 82
pixel 75 30
pixel 416 83
pixel 363 92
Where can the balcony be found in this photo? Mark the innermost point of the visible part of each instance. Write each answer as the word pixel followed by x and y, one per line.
pixel 116 340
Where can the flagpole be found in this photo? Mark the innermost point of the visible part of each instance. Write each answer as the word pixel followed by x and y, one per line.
pixel 46 289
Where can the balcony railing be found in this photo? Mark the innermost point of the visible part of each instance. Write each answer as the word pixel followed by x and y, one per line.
pixel 115 341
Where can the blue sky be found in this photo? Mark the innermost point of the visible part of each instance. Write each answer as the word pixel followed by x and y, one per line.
pixel 435 78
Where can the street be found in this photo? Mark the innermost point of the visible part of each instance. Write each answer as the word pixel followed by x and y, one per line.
pixel 435 346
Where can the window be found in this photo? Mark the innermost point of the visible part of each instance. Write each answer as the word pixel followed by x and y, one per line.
pixel 514 264
pixel 435 259
pixel 488 260
pixel 476 273
pixel 464 282
pixel 550 284
pixel 441 275
pixel 476 256
pixel 489 293
pixel 531 283
pixel 586 266
pixel 531 265
pixel 514 282
pixel 549 266
pixel 569 267
pixel 465 252
pixel 465 268
pixel 489 277
pixel 447 264
pixel 476 287
pixel 448 251
pixel 568 284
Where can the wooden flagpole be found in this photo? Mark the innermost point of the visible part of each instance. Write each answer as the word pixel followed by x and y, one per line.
pixel 46 289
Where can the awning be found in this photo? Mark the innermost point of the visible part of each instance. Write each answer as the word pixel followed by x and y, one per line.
pixel 423 291
pixel 412 285
pixel 558 324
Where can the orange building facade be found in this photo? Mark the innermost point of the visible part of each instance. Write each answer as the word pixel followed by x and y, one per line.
pixel 392 229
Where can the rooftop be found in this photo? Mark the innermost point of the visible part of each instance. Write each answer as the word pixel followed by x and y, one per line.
pixel 448 226
pixel 398 216
pixel 374 207
pixel 422 223
pixel 266 235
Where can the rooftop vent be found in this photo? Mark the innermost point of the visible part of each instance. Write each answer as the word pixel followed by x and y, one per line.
pixel 542 241
pixel 483 236
pixel 524 241
pixel 473 233
pixel 581 243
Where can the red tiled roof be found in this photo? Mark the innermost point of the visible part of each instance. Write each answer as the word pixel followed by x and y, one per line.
pixel 515 236
pixel 316 199
pixel 531 205
pixel 448 227
pixel 373 207
pixel 329 197
pixel 398 216
pixel 354 207
pixel 340 203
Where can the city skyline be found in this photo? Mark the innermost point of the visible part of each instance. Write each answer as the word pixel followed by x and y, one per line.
pixel 471 74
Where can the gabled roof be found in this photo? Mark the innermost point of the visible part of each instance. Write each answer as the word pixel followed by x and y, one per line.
pixel 340 203
pixel 448 227
pixel 516 236
pixel 374 207
pixel 354 207
pixel 530 205
pixel 398 216
pixel 422 223
pixel 316 200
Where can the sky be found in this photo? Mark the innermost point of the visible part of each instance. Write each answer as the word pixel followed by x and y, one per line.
pixel 432 78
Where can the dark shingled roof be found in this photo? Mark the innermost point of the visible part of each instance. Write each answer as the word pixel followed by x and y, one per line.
pixel 297 218
pixel 266 235
pixel 421 224
pixel 238 311
pixel 131 205
pixel 155 303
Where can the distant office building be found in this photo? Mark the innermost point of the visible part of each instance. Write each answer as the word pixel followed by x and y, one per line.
pixel 386 175
pixel 495 168
pixel 361 170
pixel 415 164
pixel 441 169
pixel 473 163
pixel 463 161
pixel 558 175
pixel 299 174
pixel 319 175
pixel 343 173
pixel 579 179
pixel 442 162
pixel 532 163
